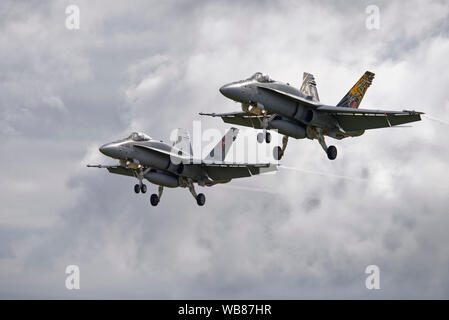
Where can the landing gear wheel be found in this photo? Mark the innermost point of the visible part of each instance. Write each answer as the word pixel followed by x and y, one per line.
pixel 277 153
pixel 331 152
pixel 260 137
pixel 137 188
pixel 201 199
pixel 143 188
pixel 154 199
pixel 268 137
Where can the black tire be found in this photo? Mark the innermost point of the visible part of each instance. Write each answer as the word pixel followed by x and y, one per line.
pixel 332 152
pixel 143 188
pixel 277 153
pixel 260 137
pixel 137 188
pixel 154 199
pixel 201 199
pixel 268 137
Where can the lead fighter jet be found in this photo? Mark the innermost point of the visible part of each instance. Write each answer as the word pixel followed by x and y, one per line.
pixel 298 113
pixel 142 157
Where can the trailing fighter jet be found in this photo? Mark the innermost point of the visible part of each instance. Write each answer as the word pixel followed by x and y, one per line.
pixel 142 157
pixel 298 113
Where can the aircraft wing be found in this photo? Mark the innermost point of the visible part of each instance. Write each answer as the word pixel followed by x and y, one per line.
pixel 114 169
pixel 351 119
pixel 226 171
pixel 240 118
pixel 236 164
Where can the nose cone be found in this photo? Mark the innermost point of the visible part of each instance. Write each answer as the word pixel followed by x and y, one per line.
pixel 223 89
pixel 231 91
pixel 107 149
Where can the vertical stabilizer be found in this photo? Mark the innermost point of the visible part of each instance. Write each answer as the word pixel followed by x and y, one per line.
pixel 221 149
pixel 353 98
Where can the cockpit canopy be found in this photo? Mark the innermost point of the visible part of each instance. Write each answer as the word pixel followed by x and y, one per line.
pixel 139 136
pixel 260 77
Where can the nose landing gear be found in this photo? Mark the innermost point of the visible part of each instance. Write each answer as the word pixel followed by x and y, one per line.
pixel 264 136
pixel 140 188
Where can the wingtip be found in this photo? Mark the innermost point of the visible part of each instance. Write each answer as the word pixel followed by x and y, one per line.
pixel 413 112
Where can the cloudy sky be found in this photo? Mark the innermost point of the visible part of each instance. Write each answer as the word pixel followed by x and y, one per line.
pixel 152 66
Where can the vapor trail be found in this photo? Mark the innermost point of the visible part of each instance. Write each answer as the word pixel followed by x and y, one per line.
pixel 265 190
pixel 436 120
pixel 324 174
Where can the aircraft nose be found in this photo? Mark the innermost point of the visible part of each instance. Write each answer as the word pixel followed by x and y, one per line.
pixel 224 89
pixel 106 149
pixel 229 91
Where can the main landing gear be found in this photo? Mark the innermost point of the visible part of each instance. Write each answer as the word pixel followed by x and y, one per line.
pixel 331 151
pixel 200 197
pixel 155 198
pixel 278 152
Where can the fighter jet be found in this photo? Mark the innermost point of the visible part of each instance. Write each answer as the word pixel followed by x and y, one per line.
pixel 142 157
pixel 298 113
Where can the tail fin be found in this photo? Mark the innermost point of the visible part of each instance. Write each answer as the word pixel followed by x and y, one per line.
pixel 353 98
pixel 219 152
pixel 308 86
pixel 182 141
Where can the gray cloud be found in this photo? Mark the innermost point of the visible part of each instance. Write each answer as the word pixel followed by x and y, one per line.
pixel 152 67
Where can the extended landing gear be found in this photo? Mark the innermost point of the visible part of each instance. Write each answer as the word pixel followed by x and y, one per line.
pixel 264 136
pixel 278 152
pixel 140 188
pixel 200 198
pixel 155 198
pixel 331 151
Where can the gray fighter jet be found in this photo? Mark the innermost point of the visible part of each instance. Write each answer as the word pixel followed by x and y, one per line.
pixel 142 157
pixel 298 113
